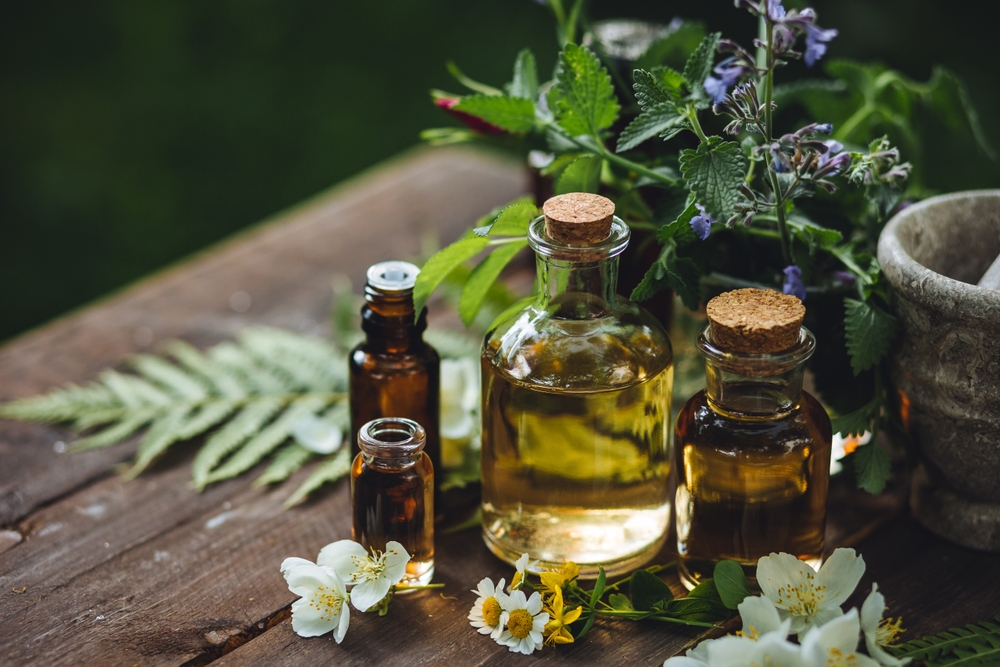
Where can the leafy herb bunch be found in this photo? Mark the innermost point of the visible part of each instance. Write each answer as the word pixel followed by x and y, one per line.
pixel 743 204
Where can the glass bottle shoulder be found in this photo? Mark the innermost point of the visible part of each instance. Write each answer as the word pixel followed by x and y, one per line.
pixel 365 356
pixel 621 348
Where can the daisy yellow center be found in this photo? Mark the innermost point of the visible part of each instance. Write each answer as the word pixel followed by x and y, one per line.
pixel 326 602
pixel 802 600
pixel 491 611
pixel 519 623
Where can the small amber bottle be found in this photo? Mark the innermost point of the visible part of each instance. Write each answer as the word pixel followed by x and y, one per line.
pixel 753 448
pixel 393 372
pixel 392 493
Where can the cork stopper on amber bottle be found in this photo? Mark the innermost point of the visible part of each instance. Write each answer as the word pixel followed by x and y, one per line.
pixel 755 321
pixel 578 218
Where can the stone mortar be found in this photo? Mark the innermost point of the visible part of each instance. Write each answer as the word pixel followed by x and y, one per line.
pixel 946 364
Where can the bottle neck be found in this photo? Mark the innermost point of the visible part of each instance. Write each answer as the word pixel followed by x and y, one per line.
pixel 577 281
pixel 762 386
pixel 388 322
pixel 391 443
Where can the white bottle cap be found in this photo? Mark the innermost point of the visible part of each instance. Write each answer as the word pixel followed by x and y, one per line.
pixel 393 276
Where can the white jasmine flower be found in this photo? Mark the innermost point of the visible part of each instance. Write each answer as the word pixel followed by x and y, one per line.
pixel 807 597
pixel 695 657
pixel 322 605
pixel 877 633
pixel 485 613
pixel 371 574
pixel 523 621
pixel 520 564
pixel 460 388
pixel 760 617
pixel 835 644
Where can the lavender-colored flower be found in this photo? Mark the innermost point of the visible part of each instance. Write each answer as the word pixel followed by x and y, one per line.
pixel 825 128
pixel 793 282
pixel 845 277
pixel 775 11
pixel 728 74
pixel 832 162
pixel 779 160
pixel 702 223
pixel 816 41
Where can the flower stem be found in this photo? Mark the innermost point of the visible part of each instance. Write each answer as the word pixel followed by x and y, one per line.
pixel 779 202
pixel 692 115
pixel 653 569
pixel 636 167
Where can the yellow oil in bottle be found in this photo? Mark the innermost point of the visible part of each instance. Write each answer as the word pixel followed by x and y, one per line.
pixel 577 473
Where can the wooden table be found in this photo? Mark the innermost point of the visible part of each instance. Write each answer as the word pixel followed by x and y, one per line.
pixel 94 570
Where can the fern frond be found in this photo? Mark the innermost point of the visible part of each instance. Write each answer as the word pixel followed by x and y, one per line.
pixel 286 461
pixel 216 376
pixel 254 378
pixel 61 404
pixel 975 645
pixel 174 380
pixel 250 419
pixel 163 432
pixel 118 432
pixel 329 470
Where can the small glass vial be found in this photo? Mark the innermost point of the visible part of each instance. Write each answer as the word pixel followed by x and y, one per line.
pixel 577 390
pixel 392 493
pixel 753 448
pixel 393 372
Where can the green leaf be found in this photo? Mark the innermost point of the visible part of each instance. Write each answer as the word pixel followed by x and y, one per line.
pixel 731 583
pixel 661 119
pixel 654 280
pixel 853 423
pixel 684 277
pixel 118 432
pixel 525 83
pixel 583 98
pixel 510 311
pixel 441 264
pixel 587 626
pixel 249 421
pixel 974 645
pixel 871 467
pixel 483 277
pixel 171 378
pixel 869 332
pixel 163 433
pixel 680 229
pixel 707 590
pixel 582 175
pixel 649 93
pixel 329 470
pixel 288 459
pixel 514 114
pixel 813 234
pixel 619 602
pixel 598 592
pixel 698 609
pixel 469 83
pixel 715 173
pixel 648 590
pixel 512 220
pixel 949 99
pixel 699 66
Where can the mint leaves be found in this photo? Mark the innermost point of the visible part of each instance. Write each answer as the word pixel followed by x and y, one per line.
pixel 870 331
pixel 514 114
pixel 583 98
pixel 699 66
pixel 714 172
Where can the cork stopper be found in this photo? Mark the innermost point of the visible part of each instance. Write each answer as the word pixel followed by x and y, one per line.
pixel 578 218
pixel 755 321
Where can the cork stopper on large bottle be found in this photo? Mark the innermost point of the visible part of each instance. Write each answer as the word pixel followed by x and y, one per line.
pixel 755 321
pixel 578 218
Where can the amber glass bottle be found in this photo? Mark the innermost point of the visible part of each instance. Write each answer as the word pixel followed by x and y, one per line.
pixel 753 448
pixel 393 372
pixel 576 406
pixel 392 493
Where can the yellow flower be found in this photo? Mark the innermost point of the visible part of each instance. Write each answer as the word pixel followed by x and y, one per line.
pixel 553 581
pixel 557 630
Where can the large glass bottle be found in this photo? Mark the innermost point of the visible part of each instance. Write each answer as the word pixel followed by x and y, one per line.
pixel 753 448
pixel 393 372
pixel 577 389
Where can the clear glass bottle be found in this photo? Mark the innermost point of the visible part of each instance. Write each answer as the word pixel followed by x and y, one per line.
pixel 753 460
pixel 393 372
pixel 392 493
pixel 576 410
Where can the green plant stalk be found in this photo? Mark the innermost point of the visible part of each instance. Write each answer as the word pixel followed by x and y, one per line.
pixel 692 115
pixel 779 202
pixel 603 152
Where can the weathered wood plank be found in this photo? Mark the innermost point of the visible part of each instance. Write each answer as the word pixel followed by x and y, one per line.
pixel 285 265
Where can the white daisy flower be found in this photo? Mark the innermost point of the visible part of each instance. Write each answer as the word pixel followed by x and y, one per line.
pixel 877 633
pixel 322 605
pixel 520 565
pixel 371 574
pixel 485 613
pixel 523 621
pixel 807 597
pixel 835 644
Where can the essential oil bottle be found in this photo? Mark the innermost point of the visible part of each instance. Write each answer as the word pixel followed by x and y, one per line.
pixel 393 372
pixel 577 389
pixel 392 493
pixel 753 448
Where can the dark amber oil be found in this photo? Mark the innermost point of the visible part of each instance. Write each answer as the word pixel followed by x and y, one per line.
pixel 392 492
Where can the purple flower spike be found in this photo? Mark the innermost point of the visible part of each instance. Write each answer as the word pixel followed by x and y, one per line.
pixel 727 74
pixel 845 277
pixel 702 223
pixel 816 41
pixel 793 282
pixel 779 160
pixel 775 11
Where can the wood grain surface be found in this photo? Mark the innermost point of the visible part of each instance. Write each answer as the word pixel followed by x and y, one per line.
pixel 97 571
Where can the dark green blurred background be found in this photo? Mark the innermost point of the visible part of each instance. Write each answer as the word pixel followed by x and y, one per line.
pixel 133 133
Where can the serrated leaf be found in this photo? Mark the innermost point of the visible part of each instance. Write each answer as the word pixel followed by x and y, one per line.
pixel 132 391
pixel 684 278
pixel 286 461
pixel 974 645
pixel 117 432
pixel 329 470
pixel 170 377
pixel 582 175
pixel 163 433
pixel 216 376
pixel 441 264
pixel 483 277
pixel 659 120
pixel 699 66
pixel 620 602
pixel 648 590
pixel 654 280
pixel 731 583
pixel 869 331
pixel 813 234
pixel 949 99
pixel 249 420
pixel 648 92
pixel 680 229
pixel 512 220
pixel 715 173
pixel 514 114
pixel 584 97
pixel 871 467
pixel 853 423
pixel 525 82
